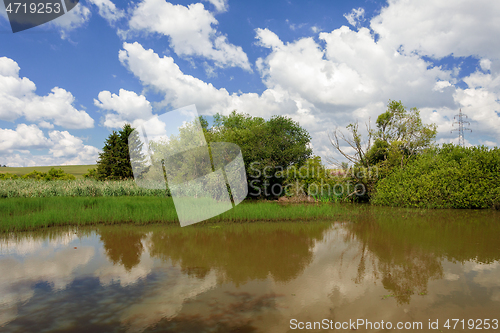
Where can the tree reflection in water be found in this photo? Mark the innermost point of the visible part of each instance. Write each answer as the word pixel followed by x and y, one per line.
pixel 224 276
pixel 409 245
pixel 403 248
pixel 122 245
pixel 239 253
pixel 242 253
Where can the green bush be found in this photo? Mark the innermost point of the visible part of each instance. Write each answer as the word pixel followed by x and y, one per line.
pixel 91 173
pixel 314 180
pixel 8 176
pixel 52 174
pixel 36 175
pixel 446 177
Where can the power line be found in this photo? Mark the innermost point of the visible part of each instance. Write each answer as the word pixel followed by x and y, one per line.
pixel 461 127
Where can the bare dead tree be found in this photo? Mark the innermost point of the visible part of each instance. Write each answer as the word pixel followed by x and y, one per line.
pixel 353 140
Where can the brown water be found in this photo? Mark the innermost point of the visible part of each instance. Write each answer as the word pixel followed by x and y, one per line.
pixel 405 266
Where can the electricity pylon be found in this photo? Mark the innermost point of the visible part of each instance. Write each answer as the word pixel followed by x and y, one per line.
pixel 461 127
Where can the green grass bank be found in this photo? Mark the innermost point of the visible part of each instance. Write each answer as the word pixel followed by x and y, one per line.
pixel 21 214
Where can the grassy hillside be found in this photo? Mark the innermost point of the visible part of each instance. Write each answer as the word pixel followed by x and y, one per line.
pixel 76 170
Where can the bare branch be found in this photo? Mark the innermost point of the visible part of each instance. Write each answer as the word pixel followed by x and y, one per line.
pixel 355 143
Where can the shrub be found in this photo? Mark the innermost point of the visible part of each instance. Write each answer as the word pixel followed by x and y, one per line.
pixel 446 177
pixel 58 174
pixel 36 175
pixel 8 176
pixel 91 173
pixel 314 180
pixel 52 174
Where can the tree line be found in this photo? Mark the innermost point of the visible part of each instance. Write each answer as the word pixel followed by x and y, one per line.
pixel 277 143
pixel 401 146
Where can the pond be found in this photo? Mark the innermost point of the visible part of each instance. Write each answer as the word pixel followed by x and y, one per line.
pixel 383 266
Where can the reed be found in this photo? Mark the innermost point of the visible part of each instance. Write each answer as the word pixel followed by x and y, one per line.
pixel 20 214
pixel 29 188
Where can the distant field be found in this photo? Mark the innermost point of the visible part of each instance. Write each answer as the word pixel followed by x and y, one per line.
pixel 77 170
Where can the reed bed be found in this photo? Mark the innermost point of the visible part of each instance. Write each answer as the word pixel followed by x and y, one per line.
pixel 20 214
pixel 29 188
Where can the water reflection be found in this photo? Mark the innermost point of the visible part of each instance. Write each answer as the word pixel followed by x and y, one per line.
pixel 404 268
pixel 241 253
pixel 386 264
pixel 26 261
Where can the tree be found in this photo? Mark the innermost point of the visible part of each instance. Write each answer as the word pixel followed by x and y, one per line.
pixel 135 153
pixel 355 141
pixel 114 161
pixel 400 134
pixel 183 156
pixel 268 146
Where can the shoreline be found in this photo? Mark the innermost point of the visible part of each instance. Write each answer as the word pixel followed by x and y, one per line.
pixel 30 214
pixel 25 214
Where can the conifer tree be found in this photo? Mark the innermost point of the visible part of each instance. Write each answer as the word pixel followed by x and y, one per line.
pixel 114 161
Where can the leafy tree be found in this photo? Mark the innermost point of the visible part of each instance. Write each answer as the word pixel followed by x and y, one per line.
pixel 182 153
pixel 133 152
pixel 114 161
pixel 107 164
pixel 400 134
pixel 125 165
pixel 268 146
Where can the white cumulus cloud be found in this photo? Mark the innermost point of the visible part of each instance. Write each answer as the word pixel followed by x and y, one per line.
pixel 108 10
pixel 18 99
pixel 63 148
pixel 75 18
pixel 440 28
pixel 126 107
pixel 350 74
pixel 191 31
pixel 23 137
pixel 220 5
pixel 356 16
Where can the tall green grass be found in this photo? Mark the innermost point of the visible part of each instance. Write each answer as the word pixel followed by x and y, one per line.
pixel 29 188
pixel 19 214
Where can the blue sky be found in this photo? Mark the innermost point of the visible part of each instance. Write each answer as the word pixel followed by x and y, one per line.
pixel 65 85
